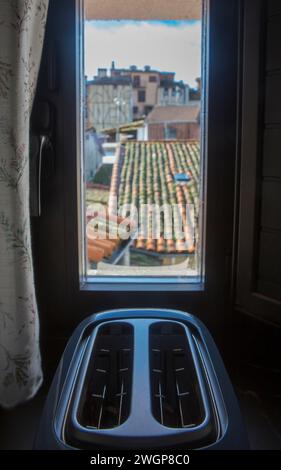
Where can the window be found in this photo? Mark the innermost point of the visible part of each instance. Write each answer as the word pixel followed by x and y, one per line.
pixel 171 133
pixel 60 256
pixel 136 80
pixel 142 206
pixel 148 109
pixel 141 96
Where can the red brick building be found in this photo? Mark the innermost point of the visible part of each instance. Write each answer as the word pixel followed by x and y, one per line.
pixel 174 123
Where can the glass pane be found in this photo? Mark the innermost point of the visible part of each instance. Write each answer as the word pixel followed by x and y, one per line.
pixel 142 154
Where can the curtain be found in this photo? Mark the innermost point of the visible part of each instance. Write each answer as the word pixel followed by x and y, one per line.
pixel 22 25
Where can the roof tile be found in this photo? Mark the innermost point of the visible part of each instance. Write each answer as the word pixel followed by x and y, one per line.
pixel 161 114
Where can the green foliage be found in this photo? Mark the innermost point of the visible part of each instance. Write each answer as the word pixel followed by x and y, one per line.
pixel 103 176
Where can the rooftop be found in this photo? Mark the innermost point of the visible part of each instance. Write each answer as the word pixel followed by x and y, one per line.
pixel 166 83
pixel 151 173
pixel 171 113
pixel 145 173
pixel 127 127
pixel 147 69
pixel 118 80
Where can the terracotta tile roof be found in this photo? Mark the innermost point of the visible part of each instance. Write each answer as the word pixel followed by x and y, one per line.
pixel 145 173
pixel 100 242
pixel 174 114
pixel 130 126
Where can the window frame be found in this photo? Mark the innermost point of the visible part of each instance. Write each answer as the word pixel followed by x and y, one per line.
pixel 188 284
pixel 58 266
pixel 247 296
pixel 136 81
pixel 170 132
pixel 133 283
pixel 143 92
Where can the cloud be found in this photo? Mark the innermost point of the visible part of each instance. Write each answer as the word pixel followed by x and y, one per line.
pixel 166 46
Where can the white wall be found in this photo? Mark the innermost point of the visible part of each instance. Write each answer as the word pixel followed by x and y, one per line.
pixel 102 111
pixel 180 98
pixel 93 154
pixel 142 133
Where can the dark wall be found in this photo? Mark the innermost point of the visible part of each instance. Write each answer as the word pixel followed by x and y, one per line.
pixel 259 217
pixel 269 266
pixel 254 330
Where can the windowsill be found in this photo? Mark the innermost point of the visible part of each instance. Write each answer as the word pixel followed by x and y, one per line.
pixel 142 284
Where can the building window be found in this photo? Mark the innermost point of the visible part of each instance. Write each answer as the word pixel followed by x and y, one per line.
pixel 135 109
pixel 152 78
pixel 148 109
pixel 170 133
pixel 136 81
pixel 141 96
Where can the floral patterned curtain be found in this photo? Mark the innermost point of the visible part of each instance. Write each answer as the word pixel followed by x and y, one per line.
pixel 22 25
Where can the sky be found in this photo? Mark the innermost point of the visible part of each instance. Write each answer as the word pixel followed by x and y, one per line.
pixel 172 46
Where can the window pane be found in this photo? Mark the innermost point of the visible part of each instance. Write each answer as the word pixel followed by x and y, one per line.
pixel 142 157
pixel 141 96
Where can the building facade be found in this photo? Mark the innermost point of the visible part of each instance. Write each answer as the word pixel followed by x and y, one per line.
pixel 152 88
pixel 94 153
pixel 145 85
pixel 131 94
pixel 174 123
pixel 109 101
pixel 172 93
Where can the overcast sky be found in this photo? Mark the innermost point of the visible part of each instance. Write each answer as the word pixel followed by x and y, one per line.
pixel 173 46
